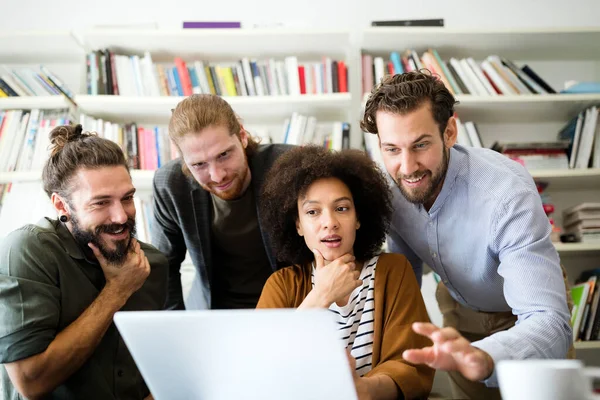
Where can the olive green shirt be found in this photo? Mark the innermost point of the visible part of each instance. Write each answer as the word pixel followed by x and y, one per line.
pixel 46 282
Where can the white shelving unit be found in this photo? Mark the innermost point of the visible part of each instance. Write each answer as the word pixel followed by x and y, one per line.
pixel 527 44
pixel 158 109
pixel 39 47
pixel 42 102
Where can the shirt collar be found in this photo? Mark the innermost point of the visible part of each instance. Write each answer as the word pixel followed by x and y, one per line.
pixel 454 165
pixel 66 239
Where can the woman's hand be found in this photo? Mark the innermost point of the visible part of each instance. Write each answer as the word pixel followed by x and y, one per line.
pixel 333 282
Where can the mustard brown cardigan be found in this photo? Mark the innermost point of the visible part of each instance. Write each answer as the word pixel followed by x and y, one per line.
pixel 398 303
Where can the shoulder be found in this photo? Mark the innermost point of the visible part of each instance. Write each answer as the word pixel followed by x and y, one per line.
pixel 171 175
pixel 267 154
pixel 290 276
pixel 492 173
pixel 28 250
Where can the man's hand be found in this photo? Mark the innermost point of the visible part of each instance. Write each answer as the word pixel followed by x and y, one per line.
pixel 336 280
pixel 126 278
pixel 450 352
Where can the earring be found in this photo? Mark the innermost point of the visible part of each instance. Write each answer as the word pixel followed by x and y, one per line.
pixel 64 219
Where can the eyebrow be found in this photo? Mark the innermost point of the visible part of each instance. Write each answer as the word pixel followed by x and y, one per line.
pixel 106 197
pixel 221 152
pixel 423 136
pixel 335 201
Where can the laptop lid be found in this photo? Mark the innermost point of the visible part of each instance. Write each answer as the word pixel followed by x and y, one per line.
pixel 263 354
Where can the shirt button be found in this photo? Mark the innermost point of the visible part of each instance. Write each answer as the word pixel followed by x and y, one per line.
pixel 434 255
pixel 120 373
pixel 445 281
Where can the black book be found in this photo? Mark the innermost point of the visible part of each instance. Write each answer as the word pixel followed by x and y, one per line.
pixel 410 22
pixel 537 79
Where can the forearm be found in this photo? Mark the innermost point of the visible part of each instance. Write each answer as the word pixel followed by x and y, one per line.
pixel 381 387
pixel 40 374
pixel 315 300
pixel 545 335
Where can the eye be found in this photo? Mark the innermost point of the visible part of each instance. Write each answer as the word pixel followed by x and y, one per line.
pixel 421 145
pixel 391 150
pixel 128 198
pixel 224 154
pixel 199 165
pixel 311 212
pixel 101 203
pixel 342 208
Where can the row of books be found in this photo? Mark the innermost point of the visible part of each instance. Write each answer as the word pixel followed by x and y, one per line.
pixel 301 129
pixel 583 221
pixel 24 137
pixel 113 74
pixel 536 155
pixel 585 315
pixel 146 147
pixel 492 77
pixel 582 134
pixel 29 82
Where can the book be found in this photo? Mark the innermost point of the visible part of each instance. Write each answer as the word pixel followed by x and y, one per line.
pixel 210 24
pixel 410 22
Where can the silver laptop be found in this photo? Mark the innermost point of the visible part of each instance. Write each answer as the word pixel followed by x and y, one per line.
pixel 238 354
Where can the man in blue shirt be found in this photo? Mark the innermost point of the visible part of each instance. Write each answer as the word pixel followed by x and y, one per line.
pixel 475 217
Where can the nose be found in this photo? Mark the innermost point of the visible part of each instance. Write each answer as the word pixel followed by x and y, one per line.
pixel 217 174
pixel 118 214
pixel 329 220
pixel 408 164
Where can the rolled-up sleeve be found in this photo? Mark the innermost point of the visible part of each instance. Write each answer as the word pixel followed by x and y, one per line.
pixel 29 296
pixel 533 286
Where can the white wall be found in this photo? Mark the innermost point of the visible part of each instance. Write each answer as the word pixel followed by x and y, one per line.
pixel 77 14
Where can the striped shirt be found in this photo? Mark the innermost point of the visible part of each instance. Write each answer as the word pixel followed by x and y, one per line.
pixel 356 318
pixel 488 238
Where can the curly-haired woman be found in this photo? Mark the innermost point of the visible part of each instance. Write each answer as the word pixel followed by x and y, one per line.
pixel 327 215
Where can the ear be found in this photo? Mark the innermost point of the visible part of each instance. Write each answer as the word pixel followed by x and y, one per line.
pixel 357 225
pixel 450 135
pixel 60 204
pixel 243 136
pixel 299 228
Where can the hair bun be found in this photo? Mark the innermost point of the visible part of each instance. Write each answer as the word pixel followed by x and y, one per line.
pixel 61 135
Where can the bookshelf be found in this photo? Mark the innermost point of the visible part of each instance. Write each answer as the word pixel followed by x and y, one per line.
pixel 589 345
pixel 41 102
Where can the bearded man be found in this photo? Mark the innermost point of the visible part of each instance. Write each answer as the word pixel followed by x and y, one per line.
pixel 475 217
pixel 206 203
pixel 62 280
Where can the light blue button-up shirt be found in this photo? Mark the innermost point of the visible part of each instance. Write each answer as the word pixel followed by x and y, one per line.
pixel 488 238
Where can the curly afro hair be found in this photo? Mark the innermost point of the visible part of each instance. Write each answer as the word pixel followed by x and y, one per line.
pixel 290 178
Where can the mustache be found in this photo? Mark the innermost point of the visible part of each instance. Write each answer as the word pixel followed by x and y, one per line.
pixel 129 225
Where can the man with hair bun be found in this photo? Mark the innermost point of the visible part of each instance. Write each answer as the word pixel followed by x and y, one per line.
pixel 62 280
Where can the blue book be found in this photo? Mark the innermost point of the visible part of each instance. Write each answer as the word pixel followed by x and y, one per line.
pixel 177 81
pixel 583 87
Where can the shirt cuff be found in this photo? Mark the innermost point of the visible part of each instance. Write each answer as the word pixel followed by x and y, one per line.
pixel 498 353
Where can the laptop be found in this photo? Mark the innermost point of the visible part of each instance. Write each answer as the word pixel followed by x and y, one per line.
pixel 266 354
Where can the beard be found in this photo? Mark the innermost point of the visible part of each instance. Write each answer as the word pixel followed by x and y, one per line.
pixel 422 195
pixel 236 190
pixel 119 253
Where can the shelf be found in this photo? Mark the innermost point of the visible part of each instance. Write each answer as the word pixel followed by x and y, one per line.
pixel 39 47
pixel 521 108
pixel 142 180
pixel 587 345
pixel 573 248
pixel 32 102
pixel 158 109
pixel 520 44
pixel 569 179
pixel 221 44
